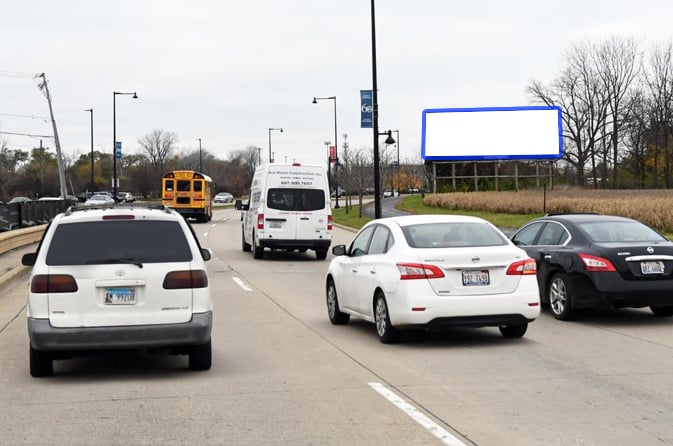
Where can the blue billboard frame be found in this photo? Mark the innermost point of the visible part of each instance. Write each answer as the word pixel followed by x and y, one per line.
pixel 533 156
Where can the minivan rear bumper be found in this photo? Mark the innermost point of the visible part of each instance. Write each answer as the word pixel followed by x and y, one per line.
pixel 273 243
pixel 43 336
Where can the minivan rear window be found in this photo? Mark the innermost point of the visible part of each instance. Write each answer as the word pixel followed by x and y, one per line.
pixel 296 199
pixel 118 241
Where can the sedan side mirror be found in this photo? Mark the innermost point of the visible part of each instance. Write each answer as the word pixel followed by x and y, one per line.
pixel 339 250
pixel 205 254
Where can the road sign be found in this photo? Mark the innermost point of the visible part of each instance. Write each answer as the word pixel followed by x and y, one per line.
pixel 118 150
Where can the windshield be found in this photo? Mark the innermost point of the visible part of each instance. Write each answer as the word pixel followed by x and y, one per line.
pixel 443 235
pixel 102 242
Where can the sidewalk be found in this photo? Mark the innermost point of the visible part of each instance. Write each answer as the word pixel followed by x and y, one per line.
pixel 10 263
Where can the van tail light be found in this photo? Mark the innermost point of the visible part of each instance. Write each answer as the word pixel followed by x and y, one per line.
pixel 330 221
pixel 595 264
pixel 522 268
pixel 260 221
pixel 177 280
pixel 53 283
pixel 410 271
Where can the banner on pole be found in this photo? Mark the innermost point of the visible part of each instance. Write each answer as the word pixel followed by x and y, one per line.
pixel 118 150
pixel 366 109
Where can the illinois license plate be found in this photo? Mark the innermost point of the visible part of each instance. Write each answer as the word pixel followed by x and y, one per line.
pixel 476 278
pixel 120 296
pixel 652 267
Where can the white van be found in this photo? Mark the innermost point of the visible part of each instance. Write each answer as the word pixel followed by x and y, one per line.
pixel 289 209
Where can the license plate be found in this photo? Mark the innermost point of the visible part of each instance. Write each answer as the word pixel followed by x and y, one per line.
pixel 120 296
pixel 275 225
pixel 652 267
pixel 476 278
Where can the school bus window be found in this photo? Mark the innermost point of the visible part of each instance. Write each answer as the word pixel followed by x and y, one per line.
pixel 183 186
pixel 169 185
pixel 198 186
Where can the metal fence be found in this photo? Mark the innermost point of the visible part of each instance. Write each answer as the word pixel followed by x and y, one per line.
pixel 24 215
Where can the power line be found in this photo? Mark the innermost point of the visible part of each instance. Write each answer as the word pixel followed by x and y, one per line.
pixel 44 118
pixel 26 134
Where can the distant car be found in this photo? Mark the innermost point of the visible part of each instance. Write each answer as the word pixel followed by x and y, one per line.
pixel 19 200
pixel 432 271
pixel 125 197
pixel 224 197
pixel 590 260
pixel 99 200
pixel 388 193
pixel 138 282
pixel 341 193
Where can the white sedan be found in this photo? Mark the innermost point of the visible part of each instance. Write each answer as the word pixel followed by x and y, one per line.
pixel 432 271
pixel 99 200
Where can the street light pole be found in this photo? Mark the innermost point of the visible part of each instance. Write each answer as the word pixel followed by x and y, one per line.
pixel 90 110
pixel 114 139
pixel 279 129
pixel 375 121
pixel 200 157
pixel 336 146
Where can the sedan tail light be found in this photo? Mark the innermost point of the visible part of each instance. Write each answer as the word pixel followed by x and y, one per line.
pixel 410 271
pixel 260 221
pixel 522 268
pixel 176 280
pixel 595 264
pixel 53 283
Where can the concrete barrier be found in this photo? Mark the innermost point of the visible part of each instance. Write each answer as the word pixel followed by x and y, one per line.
pixel 20 237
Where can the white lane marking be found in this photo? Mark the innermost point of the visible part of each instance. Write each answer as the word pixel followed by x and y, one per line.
pixel 213 225
pixel 205 234
pixel 418 417
pixel 241 284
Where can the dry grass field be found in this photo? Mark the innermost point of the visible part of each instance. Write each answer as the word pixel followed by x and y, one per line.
pixel 652 207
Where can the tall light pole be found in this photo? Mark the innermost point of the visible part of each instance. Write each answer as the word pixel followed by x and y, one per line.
pixel 270 129
pixel 375 120
pixel 336 146
pixel 90 110
pixel 114 139
pixel 200 156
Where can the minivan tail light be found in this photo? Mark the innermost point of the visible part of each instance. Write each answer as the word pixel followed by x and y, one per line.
pixel 410 271
pixel 522 268
pixel 260 221
pixel 595 264
pixel 177 280
pixel 330 221
pixel 53 283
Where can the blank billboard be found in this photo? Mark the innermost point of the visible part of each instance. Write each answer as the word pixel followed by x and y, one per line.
pixel 492 133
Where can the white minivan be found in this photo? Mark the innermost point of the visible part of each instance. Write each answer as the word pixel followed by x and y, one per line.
pixel 289 209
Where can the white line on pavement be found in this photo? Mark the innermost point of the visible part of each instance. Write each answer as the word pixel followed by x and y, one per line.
pixel 417 416
pixel 241 284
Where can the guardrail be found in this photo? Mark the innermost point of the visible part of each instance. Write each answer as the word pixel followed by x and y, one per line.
pixel 23 215
pixel 20 237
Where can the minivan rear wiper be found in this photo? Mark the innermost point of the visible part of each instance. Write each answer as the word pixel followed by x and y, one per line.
pixel 115 260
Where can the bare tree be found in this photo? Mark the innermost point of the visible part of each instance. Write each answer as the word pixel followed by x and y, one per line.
pixel 659 81
pixel 159 145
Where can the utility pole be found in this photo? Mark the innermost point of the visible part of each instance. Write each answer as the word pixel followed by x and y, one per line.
pixel 61 174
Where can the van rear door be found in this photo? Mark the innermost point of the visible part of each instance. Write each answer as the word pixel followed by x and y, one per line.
pixel 280 218
pixel 311 214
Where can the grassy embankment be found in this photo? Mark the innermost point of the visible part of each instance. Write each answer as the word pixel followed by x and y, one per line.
pixel 513 209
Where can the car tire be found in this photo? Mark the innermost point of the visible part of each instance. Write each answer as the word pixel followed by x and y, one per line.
pixel 200 356
pixel 662 310
pixel 386 332
pixel 257 251
pixel 560 298
pixel 321 254
pixel 513 331
pixel 41 363
pixel 244 246
pixel 336 316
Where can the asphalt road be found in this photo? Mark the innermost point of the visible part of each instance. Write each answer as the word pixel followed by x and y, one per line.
pixel 283 375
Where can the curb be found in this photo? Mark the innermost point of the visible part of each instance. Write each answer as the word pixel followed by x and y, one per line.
pixel 13 273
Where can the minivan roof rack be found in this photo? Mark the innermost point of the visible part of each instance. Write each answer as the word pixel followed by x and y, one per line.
pixel 82 207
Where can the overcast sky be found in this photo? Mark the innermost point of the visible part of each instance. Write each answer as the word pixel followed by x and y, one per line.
pixel 225 71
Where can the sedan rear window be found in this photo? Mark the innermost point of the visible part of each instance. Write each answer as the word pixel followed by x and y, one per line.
pixel 620 231
pixel 444 235
pixel 101 242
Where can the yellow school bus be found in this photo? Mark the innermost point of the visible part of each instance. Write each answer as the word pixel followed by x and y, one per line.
pixel 189 193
